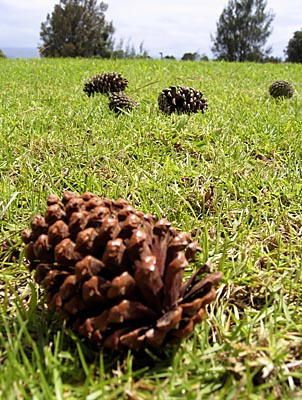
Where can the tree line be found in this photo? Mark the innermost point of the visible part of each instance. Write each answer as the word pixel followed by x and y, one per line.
pixel 78 28
pixel 242 32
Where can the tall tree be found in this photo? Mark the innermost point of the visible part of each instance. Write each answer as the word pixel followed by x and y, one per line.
pixel 242 31
pixel 77 28
pixel 293 50
pixel 2 55
pixel 190 56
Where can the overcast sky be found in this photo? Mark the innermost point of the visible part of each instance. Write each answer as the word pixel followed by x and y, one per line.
pixel 172 27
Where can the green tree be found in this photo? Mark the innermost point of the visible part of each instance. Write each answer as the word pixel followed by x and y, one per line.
pixel 77 28
pixel 129 51
pixel 190 57
pixel 242 31
pixel 2 55
pixel 169 57
pixel 204 57
pixel 293 50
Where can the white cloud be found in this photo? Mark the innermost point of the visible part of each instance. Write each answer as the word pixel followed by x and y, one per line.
pixel 20 21
pixel 171 26
pixel 175 27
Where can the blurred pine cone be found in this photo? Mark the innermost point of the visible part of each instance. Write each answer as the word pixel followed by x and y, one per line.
pixel 105 83
pixel 116 273
pixel 281 88
pixel 120 101
pixel 181 99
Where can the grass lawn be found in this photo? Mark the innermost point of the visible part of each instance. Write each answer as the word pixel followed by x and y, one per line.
pixel 231 177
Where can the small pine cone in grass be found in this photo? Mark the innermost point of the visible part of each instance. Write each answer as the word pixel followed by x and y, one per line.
pixel 105 83
pixel 181 99
pixel 117 274
pixel 281 88
pixel 120 101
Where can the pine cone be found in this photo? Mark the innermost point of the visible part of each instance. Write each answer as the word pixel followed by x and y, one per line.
pixel 120 101
pixel 105 83
pixel 281 88
pixel 116 273
pixel 181 99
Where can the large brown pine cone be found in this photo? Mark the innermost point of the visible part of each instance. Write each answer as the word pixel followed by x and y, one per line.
pixel 116 273
pixel 181 99
pixel 281 88
pixel 120 101
pixel 105 83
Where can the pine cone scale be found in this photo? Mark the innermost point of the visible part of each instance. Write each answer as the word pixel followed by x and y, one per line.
pixel 123 286
pixel 204 285
pixel 173 280
pixel 133 339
